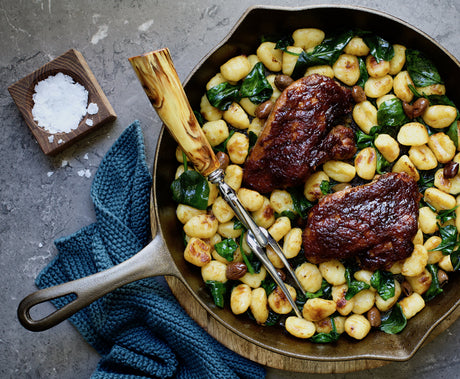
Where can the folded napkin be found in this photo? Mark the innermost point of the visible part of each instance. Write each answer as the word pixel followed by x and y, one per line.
pixel 139 330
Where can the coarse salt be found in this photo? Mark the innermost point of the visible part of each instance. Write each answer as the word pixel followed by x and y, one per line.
pixel 85 172
pixel 92 108
pixel 59 103
pixel 89 122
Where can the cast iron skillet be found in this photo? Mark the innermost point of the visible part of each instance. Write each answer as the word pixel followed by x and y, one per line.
pixel 164 255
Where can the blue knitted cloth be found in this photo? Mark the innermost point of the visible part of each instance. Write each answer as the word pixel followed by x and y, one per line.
pixel 139 330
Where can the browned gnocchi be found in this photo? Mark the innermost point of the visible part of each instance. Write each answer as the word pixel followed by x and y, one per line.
pixel 402 123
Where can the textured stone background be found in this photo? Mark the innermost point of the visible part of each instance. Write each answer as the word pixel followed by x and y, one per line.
pixel 44 198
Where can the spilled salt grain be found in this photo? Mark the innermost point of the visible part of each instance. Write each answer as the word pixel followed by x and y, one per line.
pixel 49 173
pixel 89 122
pixel 60 140
pixel 86 173
pixel 92 108
pixel 85 156
pixel 64 163
pixel 59 103
pixel 50 139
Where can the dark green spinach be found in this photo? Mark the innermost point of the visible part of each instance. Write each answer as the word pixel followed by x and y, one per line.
pixel 363 74
pixel 218 290
pixel 393 321
pixel 435 288
pixel 391 113
pixel 191 188
pixel 384 283
pixel 379 48
pixel 332 336
pixel 449 239
pixel 223 95
pixel 223 146
pixel 255 86
pixel 326 52
pixel 284 42
pixel 301 205
pixel 426 180
pixel 354 286
pixel 446 214
pixel 421 70
pixel 226 248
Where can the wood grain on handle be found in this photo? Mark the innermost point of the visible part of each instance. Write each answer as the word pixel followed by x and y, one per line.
pixel 159 79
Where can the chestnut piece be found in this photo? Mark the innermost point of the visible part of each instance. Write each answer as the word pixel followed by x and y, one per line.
pixel 263 110
pixel 283 81
pixel 450 170
pixel 406 288
pixel 223 159
pixel 442 277
pixel 358 94
pixel 235 270
pixel 408 109
pixel 419 107
pixel 373 316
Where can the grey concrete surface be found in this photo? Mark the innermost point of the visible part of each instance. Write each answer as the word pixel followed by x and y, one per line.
pixel 44 198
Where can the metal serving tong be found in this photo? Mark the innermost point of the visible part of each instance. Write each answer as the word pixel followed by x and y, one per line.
pixel 156 72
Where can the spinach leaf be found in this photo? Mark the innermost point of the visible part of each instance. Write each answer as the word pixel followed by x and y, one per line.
pixel 455 260
pixel 226 248
pixel 272 319
pixel 382 164
pixel 449 240
pixel 325 187
pixel 250 260
pixel 218 290
pixel 354 286
pixel 393 321
pixel 223 95
pixel 447 214
pixel 199 118
pixel 268 284
pixel 223 146
pixel 440 100
pixel 421 70
pixel 252 139
pixel 391 113
pixel 324 292
pixel 363 74
pixel 363 140
pixel 287 213
pixel 452 132
pixel 384 283
pixel 332 336
pixel 284 42
pixel 191 188
pixel 237 224
pixel 326 52
pixel 426 180
pixel 255 86
pixel 301 204
pixel 435 288
pixel 379 48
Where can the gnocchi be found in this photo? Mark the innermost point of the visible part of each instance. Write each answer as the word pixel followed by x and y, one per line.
pixel 418 144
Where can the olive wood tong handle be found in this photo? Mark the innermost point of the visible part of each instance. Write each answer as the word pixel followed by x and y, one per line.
pixel 155 70
pixel 159 79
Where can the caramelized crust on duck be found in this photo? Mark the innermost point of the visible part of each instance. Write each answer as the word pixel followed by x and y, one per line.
pixel 299 134
pixel 375 222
